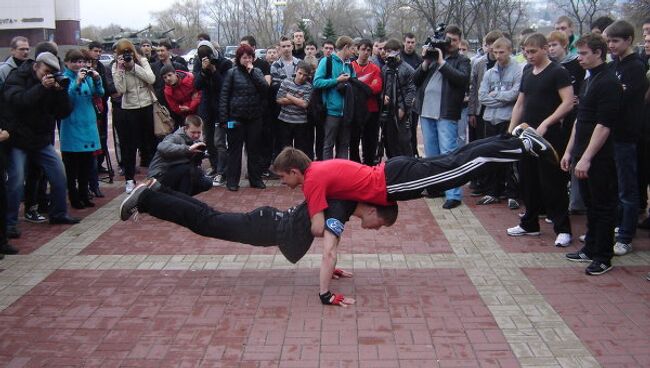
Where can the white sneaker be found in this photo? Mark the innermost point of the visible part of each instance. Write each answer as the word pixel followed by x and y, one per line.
pixel 582 237
pixel 218 180
pixel 130 185
pixel 563 240
pixel 519 231
pixel 548 220
pixel 621 249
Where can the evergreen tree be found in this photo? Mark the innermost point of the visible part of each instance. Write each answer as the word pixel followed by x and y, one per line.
pixel 380 30
pixel 328 32
pixel 303 27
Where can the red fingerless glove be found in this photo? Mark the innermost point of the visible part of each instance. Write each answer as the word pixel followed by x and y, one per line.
pixel 331 299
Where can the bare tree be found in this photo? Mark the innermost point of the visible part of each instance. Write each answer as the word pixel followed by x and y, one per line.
pixel 584 11
pixel 637 10
pixel 184 17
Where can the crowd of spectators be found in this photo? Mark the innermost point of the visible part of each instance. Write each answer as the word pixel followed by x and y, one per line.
pixel 355 99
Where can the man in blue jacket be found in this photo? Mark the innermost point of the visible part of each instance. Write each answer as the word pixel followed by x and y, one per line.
pixel 330 72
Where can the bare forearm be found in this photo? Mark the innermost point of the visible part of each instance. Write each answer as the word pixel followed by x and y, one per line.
pixel 598 138
pixel 328 262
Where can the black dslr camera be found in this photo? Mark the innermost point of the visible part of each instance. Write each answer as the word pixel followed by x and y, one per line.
pixel 438 40
pixel 62 80
pixel 127 56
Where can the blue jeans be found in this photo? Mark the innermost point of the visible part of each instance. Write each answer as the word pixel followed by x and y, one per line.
pixel 440 137
pixel 50 161
pixel 628 190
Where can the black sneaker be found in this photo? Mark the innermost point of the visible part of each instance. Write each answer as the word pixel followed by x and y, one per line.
pixel 32 215
pixel 451 203
pixel 8 249
pixel 130 205
pixel 13 232
pixel 537 146
pixel 577 257
pixel 598 268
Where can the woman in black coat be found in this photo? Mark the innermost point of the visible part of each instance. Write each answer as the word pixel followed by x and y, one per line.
pixel 241 106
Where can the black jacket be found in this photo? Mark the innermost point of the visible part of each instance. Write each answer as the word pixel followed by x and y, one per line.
pixel 31 110
pixel 455 79
pixel 631 72
pixel 243 95
pixel 210 84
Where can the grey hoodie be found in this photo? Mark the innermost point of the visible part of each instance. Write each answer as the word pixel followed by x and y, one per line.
pixel 504 82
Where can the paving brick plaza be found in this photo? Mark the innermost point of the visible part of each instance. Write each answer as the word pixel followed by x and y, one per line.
pixel 439 289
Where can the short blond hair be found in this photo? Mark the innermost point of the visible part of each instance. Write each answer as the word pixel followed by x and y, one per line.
pixel 558 36
pixel 502 42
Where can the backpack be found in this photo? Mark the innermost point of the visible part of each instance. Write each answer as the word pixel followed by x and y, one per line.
pixel 316 110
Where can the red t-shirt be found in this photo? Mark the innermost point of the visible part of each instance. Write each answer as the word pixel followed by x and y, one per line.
pixel 345 180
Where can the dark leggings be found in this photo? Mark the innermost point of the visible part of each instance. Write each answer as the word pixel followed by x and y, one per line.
pixel 136 132
pixel 77 171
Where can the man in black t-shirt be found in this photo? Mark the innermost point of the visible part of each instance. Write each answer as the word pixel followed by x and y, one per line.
pixel 266 226
pixel 590 153
pixel 545 97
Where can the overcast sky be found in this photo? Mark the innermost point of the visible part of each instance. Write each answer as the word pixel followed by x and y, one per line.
pixel 130 13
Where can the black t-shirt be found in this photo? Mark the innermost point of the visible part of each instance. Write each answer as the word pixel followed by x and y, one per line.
pixel 263 66
pixel 577 74
pixel 600 101
pixel 294 229
pixel 541 91
pixel 298 53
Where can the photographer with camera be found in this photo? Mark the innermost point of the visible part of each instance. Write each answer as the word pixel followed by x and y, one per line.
pixel 397 99
pixel 209 69
pixel 177 162
pixel 442 80
pixel 78 132
pixel 36 96
pixel 133 78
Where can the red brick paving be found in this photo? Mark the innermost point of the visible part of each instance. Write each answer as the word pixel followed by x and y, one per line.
pixel 35 235
pixel 414 232
pixel 609 313
pixel 496 218
pixel 405 318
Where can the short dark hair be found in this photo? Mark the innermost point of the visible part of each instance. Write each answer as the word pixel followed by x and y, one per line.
pixel 145 41
pixel 388 214
pixel 290 158
pixel 365 42
pixel 492 36
pixel 311 43
pixel 408 35
pixel 620 29
pixel 646 21
pixel 393 44
pixel 602 23
pixel 203 36
pixel 304 66
pixel 74 55
pixel 380 39
pixel 14 41
pixel 95 45
pixel 46 46
pixel 194 120
pixel 165 44
pixel 328 42
pixel 284 39
pixel 594 43
pixel 455 30
pixel 250 39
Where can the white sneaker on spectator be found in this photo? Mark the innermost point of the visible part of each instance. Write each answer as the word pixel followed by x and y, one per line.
pixel 548 220
pixel 621 249
pixel 563 240
pixel 582 237
pixel 519 231
pixel 218 180
pixel 130 185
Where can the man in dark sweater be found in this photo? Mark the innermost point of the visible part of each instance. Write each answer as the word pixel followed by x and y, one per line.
pixel 590 153
pixel 630 70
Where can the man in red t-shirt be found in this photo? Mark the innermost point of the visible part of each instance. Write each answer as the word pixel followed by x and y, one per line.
pixel 398 179
pixel 370 74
